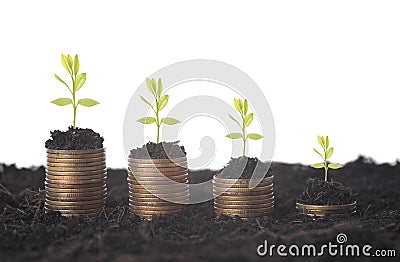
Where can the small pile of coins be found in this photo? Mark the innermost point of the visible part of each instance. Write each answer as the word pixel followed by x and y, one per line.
pixel 157 186
pixel 327 211
pixel 235 198
pixel 76 182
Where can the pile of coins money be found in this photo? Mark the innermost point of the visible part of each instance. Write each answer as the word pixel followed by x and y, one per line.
pixel 235 198
pixel 327 211
pixel 157 186
pixel 76 182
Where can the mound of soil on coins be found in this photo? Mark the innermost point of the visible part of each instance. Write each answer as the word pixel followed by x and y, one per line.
pixel 245 167
pixel 163 150
pixel 320 192
pixel 74 139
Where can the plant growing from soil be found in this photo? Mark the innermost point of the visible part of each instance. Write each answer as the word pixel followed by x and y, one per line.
pixel 246 118
pixel 327 153
pixel 72 66
pixel 161 103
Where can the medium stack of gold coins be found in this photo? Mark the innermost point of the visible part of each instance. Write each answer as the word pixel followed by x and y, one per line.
pixel 235 198
pixel 327 210
pixel 157 186
pixel 76 182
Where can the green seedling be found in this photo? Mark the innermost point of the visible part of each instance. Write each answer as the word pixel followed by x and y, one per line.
pixel 328 151
pixel 72 66
pixel 242 108
pixel 161 103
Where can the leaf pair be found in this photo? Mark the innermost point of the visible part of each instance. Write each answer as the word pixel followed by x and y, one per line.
pixel 252 136
pixel 151 120
pixel 68 101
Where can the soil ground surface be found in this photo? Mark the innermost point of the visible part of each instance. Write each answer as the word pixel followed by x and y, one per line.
pixel 27 233
pixel 74 139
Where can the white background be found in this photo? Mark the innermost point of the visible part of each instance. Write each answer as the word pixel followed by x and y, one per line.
pixel 326 67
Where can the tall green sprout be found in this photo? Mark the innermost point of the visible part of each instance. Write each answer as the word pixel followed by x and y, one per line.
pixel 161 103
pixel 245 120
pixel 327 153
pixel 72 66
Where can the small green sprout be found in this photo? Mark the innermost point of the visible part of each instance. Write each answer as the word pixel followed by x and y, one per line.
pixel 328 151
pixel 242 108
pixel 72 66
pixel 161 103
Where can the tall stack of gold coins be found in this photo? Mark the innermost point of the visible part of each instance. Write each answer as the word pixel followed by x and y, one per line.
pixel 157 186
pixel 76 182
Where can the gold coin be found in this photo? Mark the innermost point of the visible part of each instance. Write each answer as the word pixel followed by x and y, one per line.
pixel 148 210
pixel 76 203
pixel 84 173
pixel 164 171
pixel 76 181
pixel 74 165
pixel 242 181
pixel 243 198
pixel 163 205
pixel 49 184
pixel 74 199
pixel 242 194
pixel 76 169
pixel 240 185
pixel 75 189
pixel 61 157
pixel 75 211
pixel 176 196
pixel 244 210
pixel 242 190
pixel 167 188
pixel 165 182
pixel 76 160
pixel 156 201
pixel 68 178
pixel 244 202
pixel 87 208
pixel 76 152
pixel 158 165
pixel 328 210
pixel 151 161
pixel 77 195
pixel 245 216
pixel 242 206
pixel 155 177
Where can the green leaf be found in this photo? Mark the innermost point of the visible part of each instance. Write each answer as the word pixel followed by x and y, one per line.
pixel 240 101
pixel 248 119
pixel 327 142
pixel 163 102
pixel 316 151
pixel 87 102
pixel 150 86
pixel 334 166
pixel 319 165
pixel 147 102
pixel 321 141
pixel 62 101
pixel 246 106
pixel 169 121
pixel 64 61
pixel 160 87
pixel 237 106
pixel 154 85
pixel 80 80
pixel 329 153
pixel 234 135
pixel 234 119
pixel 76 65
pixel 147 120
pixel 70 62
pixel 62 81
pixel 254 136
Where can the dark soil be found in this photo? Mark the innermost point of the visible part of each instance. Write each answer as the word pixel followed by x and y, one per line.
pixel 319 192
pixel 74 139
pixel 245 167
pixel 29 234
pixel 161 150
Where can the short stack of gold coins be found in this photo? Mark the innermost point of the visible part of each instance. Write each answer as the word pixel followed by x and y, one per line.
pixel 327 210
pixel 157 186
pixel 235 198
pixel 76 182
